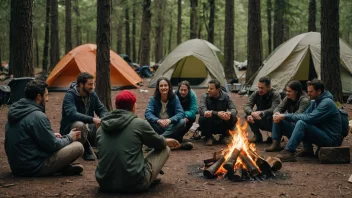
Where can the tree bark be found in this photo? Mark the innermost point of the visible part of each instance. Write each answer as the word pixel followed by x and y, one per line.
pixel 170 37
pixel 36 57
pixel 21 46
pixel 229 40
pixel 103 88
pixel 254 39
pixel 211 21
pixel 54 36
pixel 159 30
pixel 312 16
pixel 179 21
pixel 268 12
pixel 279 28
pixel 330 48
pixel 78 24
pixel 68 30
pixel 194 19
pixel 134 51
pixel 46 39
pixel 119 35
pixel 145 31
pixel 127 31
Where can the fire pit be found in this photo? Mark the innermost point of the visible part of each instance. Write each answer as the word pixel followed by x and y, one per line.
pixel 240 161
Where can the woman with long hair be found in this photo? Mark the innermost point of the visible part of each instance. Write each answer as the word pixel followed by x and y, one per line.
pixel 296 101
pixel 165 114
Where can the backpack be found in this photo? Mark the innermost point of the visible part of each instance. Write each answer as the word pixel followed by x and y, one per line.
pixel 344 123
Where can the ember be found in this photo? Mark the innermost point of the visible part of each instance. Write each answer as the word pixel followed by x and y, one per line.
pixel 240 160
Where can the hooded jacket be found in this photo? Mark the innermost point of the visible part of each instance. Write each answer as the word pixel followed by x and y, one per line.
pixel 324 114
pixel 29 139
pixel 296 107
pixel 266 103
pixel 75 109
pixel 173 109
pixel 120 139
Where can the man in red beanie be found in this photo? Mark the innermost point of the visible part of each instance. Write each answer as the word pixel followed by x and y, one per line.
pixel 122 167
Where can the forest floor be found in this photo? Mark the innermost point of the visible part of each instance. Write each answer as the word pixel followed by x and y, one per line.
pixel 183 176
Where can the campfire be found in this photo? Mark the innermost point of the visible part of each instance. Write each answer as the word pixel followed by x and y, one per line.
pixel 240 161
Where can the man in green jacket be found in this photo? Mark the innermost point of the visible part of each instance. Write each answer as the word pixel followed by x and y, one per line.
pixel 31 146
pixel 122 167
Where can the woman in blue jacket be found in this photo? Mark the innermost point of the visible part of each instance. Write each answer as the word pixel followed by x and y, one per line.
pixel 164 112
pixel 189 104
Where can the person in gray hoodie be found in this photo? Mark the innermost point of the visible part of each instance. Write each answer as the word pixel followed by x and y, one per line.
pixel 320 124
pixel 122 166
pixel 296 102
pixel 31 146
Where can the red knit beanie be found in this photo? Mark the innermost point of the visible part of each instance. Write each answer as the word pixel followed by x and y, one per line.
pixel 125 100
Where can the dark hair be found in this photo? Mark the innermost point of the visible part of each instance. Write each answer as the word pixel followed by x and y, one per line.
pixel 215 82
pixel 33 88
pixel 186 83
pixel 265 80
pixel 317 84
pixel 157 94
pixel 295 85
pixel 83 77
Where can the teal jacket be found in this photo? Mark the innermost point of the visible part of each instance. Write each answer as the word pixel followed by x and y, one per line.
pixel 189 105
pixel 324 114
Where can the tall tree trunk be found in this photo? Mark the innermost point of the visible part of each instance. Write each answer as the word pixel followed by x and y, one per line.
pixel 194 19
pixel 21 46
pixel 211 21
pixel 312 16
pixel 229 39
pixel 330 48
pixel 254 39
pixel 159 30
pixel 78 24
pixel 103 52
pixel 145 31
pixel 179 21
pixel 46 39
pixel 35 34
pixel 279 22
pixel 134 51
pixel 54 36
pixel 127 31
pixel 170 37
pixel 268 12
pixel 119 37
pixel 68 30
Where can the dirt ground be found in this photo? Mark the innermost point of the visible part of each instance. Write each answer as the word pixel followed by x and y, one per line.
pixel 183 177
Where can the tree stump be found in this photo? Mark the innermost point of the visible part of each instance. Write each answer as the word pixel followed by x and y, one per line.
pixel 334 155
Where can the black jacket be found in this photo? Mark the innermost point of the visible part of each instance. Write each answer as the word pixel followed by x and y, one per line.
pixel 266 103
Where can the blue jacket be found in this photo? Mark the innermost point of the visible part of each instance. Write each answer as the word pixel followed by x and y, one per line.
pixel 173 108
pixel 74 109
pixel 189 105
pixel 324 114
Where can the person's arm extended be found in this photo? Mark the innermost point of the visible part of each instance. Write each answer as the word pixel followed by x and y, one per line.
pixel 99 108
pixel 150 138
pixel 248 108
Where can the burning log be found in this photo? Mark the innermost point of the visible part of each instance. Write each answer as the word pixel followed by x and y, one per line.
pixel 230 162
pixel 237 175
pixel 210 172
pixel 251 167
pixel 211 161
pixel 275 163
pixel 263 165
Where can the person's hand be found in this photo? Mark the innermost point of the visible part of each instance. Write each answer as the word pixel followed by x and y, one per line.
pixel 75 134
pixel 256 115
pixel 227 116
pixel 97 122
pixel 58 135
pixel 186 120
pixel 250 119
pixel 208 114
pixel 278 117
pixel 164 122
pixel 172 143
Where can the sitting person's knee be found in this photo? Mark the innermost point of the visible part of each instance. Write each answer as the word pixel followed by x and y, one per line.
pixel 301 122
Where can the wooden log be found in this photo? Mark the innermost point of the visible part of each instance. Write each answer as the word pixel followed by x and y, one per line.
pixel 209 173
pixel 275 163
pixel 250 165
pixel 334 155
pixel 350 179
pixel 237 175
pixel 211 161
pixel 230 162
pixel 262 164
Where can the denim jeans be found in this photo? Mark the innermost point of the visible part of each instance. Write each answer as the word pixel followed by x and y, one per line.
pixel 283 128
pixel 175 130
pixel 309 134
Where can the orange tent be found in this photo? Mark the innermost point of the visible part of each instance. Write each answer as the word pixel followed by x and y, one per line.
pixel 83 59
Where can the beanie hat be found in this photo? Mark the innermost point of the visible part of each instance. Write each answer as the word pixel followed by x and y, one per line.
pixel 125 100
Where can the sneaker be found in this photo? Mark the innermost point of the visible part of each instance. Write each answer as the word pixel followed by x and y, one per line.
pixel 186 146
pixel 209 142
pixel 72 169
pixel 275 146
pixel 226 139
pixel 305 153
pixel 287 156
pixel 256 139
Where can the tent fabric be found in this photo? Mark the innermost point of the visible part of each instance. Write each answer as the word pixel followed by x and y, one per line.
pixel 196 60
pixel 291 61
pixel 83 59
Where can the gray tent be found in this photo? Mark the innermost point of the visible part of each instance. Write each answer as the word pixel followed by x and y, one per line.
pixel 196 60
pixel 292 61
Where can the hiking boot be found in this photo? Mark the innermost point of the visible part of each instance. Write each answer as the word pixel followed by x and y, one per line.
pixel 269 140
pixel 305 153
pixel 226 139
pixel 186 146
pixel 256 139
pixel 88 154
pixel 209 142
pixel 72 169
pixel 275 146
pixel 287 156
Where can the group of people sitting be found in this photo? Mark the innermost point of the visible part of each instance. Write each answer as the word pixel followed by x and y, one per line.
pixel 33 149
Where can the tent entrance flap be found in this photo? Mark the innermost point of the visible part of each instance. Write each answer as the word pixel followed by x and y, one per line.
pixel 67 75
pixel 191 69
